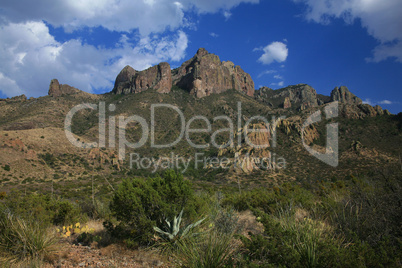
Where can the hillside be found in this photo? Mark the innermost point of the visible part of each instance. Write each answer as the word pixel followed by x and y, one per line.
pixel 32 130
pixel 246 151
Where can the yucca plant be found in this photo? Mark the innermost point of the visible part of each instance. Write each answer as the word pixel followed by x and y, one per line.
pixel 23 243
pixel 210 250
pixel 174 232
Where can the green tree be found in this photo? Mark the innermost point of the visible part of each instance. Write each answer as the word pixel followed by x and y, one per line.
pixel 140 204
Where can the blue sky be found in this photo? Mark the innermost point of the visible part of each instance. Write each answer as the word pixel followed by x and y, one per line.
pixel 357 43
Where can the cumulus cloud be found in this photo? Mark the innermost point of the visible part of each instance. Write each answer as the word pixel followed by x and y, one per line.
pixel 124 15
pixel 209 6
pixel 215 35
pixel 116 15
pixel 382 19
pixel 151 31
pixel 30 57
pixel 276 51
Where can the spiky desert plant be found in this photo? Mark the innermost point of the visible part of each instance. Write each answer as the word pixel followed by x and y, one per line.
pixel 174 232
pixel 211 250
pixel 23 243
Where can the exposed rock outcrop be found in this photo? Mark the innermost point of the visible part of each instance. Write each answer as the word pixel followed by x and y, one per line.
pixel 287 104
pixel 343 95
pixel 264 94
pixel 299 97
pixel 205 74
pixel 158 77
pixel 20 98
pixel 56 89
pixel 252 154
pixel 353 111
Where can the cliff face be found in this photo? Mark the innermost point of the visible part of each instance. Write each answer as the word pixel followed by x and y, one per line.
pixel 299 97
pixel 205 74
pixel 158 77
pixel 344 96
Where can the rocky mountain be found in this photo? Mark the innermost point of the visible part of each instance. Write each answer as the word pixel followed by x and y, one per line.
pixel 56 89
pixel 343 95
pixel 205 74
pixel 298 97
pixel 157 77
pixel 302 97
pixel 33 141
pixel 202 75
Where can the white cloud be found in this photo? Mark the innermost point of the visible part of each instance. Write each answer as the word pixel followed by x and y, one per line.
pixel 279 84
pixel 368 101
pixel 227 14
pixel 30 57
pixel 208 6
pixel 116 15
pixel 383 102
pixel 381 18
pixel 276 51
pixel 279 77
pixel 215 35
pixel 267 72
pixel 385 51
pixel 387 102
pixel 124 15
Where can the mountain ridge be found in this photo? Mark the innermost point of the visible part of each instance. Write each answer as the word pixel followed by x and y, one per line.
pixel 205 74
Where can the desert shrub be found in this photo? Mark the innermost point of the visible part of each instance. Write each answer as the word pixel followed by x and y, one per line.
pixel 44 209
pixel 65 212
pixel 269 200
pixel 23 243
pixel 212 249
pixel 95 209
pixel 293 239
pixel 369 218
pixel 140 204
pixel 224 219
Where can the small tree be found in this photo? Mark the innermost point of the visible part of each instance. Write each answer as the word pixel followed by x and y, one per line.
pixel 140 204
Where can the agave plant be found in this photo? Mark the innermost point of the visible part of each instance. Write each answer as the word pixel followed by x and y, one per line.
pixel 174 232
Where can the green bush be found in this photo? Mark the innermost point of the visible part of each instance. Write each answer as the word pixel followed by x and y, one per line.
pixel 43 209
pixel 65 212
pixel 141 204
pixel 294 241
